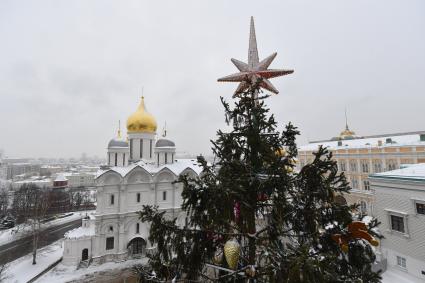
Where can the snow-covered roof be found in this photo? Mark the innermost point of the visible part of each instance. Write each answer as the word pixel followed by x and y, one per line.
pixel 397 140
pixel 177 167
pixel 81 232
pixel 60 178
pixel 412 171
pixel 36 181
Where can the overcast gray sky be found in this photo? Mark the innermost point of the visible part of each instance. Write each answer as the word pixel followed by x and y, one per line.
pixel 69 70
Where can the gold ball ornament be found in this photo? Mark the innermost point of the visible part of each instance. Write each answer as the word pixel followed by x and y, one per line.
pixel 250 271
pixel 232 251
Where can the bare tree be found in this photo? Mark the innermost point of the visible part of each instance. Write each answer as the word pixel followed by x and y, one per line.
pixel 30 205
pixel 4 200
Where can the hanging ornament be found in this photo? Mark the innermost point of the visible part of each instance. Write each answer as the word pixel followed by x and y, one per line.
pixel 232 251
pixel 356 230
pixel 250 271
pixel 218 257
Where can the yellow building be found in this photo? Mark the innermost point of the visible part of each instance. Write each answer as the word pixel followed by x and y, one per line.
pixel 358 157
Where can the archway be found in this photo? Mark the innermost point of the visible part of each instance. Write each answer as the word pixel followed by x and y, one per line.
pixel 136 246
pixel 85 254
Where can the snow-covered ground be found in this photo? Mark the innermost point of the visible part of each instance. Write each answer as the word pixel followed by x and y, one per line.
pixel 12 234
pixel 393 275
pixel 62 273
pixel 22 269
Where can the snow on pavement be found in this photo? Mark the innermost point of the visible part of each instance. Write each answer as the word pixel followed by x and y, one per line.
pixel 62 273
pixel 22 269
pixel 393 275
pixel 12 234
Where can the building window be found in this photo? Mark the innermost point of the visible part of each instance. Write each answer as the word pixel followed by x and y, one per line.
pixel 137 228
pixel 164 195
pixel 111 229
pixel 397 223
pixel 138 197
pixel 112 200
pixel 150 148
pixel 109 243
pixel 158 157
pixel 377 167
pixel 116 158
pixel 109 159
pixel 420 208
pixel 166 158
pixel 123 159
pixel 141 148
pixel 366 185
pixel 392 165
pixel 354 183
pixel 401 262
pixel 365 167
pixel 353 166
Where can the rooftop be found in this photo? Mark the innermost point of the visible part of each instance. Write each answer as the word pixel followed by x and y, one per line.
pixel 401 139
pixel 411 171
pixel 177 167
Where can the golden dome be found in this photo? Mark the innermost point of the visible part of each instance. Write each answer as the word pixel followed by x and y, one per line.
pixel 141 121
pixel 347 133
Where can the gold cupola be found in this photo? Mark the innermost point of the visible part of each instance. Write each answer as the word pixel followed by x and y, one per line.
pixel 141 121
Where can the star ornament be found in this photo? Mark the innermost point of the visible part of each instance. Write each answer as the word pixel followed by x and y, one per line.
pixel 255 71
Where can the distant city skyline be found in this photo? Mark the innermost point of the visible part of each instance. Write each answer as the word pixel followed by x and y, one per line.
pixel 71 70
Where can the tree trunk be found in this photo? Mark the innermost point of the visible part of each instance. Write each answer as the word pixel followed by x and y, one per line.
pixel 34 247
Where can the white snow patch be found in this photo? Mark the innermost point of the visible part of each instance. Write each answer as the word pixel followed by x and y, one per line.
pixel 22 269
pixel 80 232
pixel 62 273
pixel 367 219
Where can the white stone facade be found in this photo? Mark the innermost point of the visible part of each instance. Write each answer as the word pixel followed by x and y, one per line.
pixel 399 196
pixel 121 193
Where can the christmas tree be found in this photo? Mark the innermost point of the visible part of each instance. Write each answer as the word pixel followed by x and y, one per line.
pixel 251 216
pixel 271 223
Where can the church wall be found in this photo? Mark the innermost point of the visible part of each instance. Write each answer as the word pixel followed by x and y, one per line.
pixel 106 200
pixel 72 252
pixel 164 195
pixel 145 196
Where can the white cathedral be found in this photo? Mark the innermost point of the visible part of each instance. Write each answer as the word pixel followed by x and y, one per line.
pixel 141 171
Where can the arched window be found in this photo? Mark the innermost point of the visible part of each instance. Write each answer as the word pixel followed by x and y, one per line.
pixel 137 228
